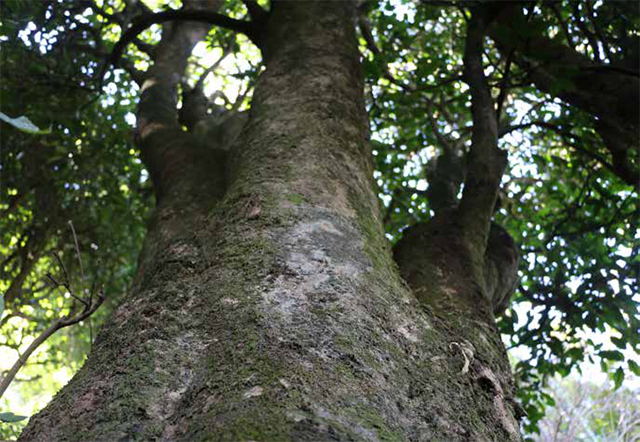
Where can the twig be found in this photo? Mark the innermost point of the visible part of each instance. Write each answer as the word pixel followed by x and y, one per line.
pixel 75 241
pixel 563 24
pixel 240 98
pixel 90 306
pixel 504 85
pixel 65 283
pixel 60 323
pixel 225 53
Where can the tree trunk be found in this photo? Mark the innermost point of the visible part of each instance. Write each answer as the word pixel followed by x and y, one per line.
pixel 267 305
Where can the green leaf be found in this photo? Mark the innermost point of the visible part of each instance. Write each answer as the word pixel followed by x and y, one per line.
pixel 613 355
pixel 618 377
pixel 24 124
pixel 575 353
pixel 10 417
pixel 549 399
pixel 620 342
pixel 1 304
pixel 634 367
pixel 603 366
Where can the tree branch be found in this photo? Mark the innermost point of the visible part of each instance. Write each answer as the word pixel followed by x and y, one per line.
pixel 65 321
pixel 225 53
pixel 599 89
pixel 486 163
pixel 90 305
pixel 257 13
pixel 142 23
pixel 619 165
pixel 144 47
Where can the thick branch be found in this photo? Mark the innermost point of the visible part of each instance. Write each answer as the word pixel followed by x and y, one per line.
pixel 486 162
pixel 257 13
pixel 172 156
pixel 591 80
pixel 142 23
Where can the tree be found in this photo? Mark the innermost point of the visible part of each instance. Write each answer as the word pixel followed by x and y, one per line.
pixel 590 412
pixel 268 303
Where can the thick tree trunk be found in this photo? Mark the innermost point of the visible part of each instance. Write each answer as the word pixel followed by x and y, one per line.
pixel 267 305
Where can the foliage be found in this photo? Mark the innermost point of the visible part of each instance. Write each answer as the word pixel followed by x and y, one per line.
pixel 574 217
pixel 84 171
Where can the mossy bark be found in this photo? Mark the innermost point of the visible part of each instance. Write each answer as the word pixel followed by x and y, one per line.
pixel 267 305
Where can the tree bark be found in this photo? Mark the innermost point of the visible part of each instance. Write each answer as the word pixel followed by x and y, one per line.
pixel 267 305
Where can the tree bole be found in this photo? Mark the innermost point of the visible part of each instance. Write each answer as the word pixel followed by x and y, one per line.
pixel 268 306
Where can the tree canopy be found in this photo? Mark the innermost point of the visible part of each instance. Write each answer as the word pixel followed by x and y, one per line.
pixel 566 82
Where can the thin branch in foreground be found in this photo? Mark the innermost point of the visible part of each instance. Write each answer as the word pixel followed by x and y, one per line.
pixel 65 321
pixel 90 305
pixel 78 254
